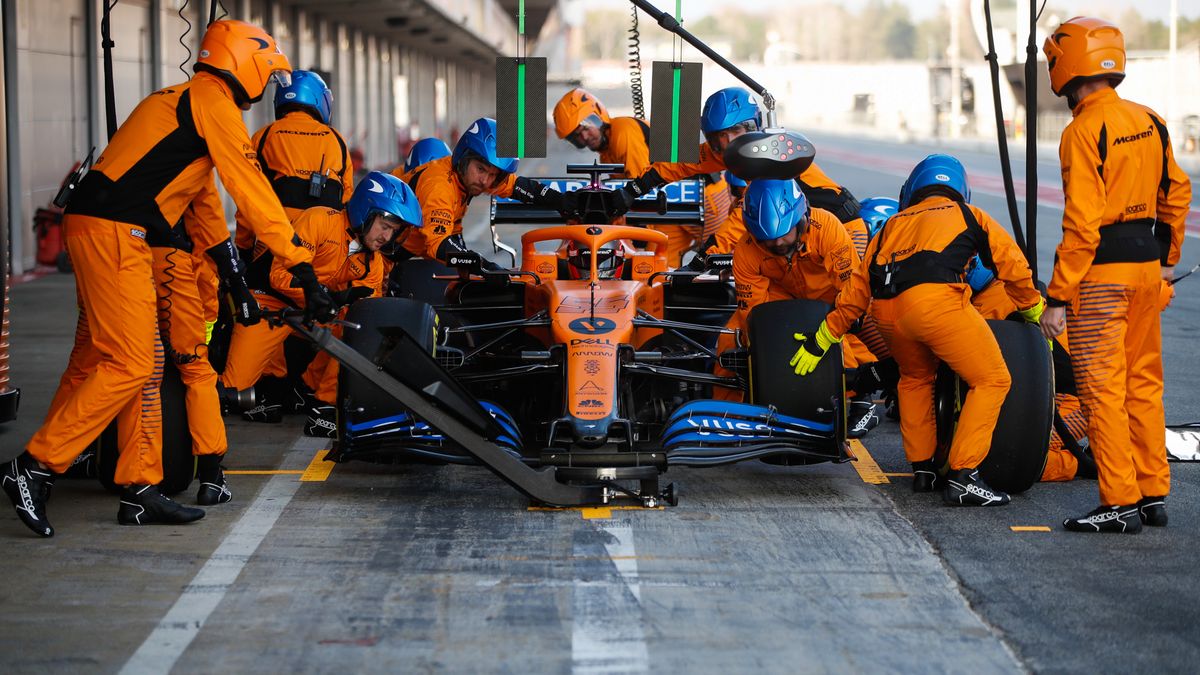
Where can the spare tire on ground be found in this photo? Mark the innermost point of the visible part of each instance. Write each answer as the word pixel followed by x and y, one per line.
pixel 179 466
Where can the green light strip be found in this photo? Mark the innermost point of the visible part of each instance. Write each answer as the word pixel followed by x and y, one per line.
pixel 520 109
pixel 675 92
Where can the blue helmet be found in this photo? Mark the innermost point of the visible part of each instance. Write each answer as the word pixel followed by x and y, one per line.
pixel 942 170
pixel 733 180
pixel 382 193
pixel 875 212
pixel 729 107
pixel 773 207
pixel 480 141
pixel 977 276
pixel 309 90
pixel 425 150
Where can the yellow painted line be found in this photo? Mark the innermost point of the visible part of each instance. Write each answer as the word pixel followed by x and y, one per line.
pixel 1029 528
pixel 595 512
pixel 868 470
pixel 318 469
pixel 263 472
pixel 898 474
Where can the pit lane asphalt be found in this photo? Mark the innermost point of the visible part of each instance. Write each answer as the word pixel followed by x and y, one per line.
pixel 432 569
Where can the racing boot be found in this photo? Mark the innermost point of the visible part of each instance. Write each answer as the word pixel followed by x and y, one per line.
pixel 964 487
pixel 322 420
pixel 213 489
pixel 1116 519
pixel 301 396
pixel 861 418
pixel 265 411
pixel 1153 511
pixel 925 476
pixel 145 505
pixel 84 466
pixel 28 485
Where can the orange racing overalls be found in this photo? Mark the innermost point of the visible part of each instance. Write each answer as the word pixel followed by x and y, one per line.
pixel 1126 203
pixel 154 166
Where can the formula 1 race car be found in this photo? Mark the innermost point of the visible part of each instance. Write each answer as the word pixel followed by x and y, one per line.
pixel 591 358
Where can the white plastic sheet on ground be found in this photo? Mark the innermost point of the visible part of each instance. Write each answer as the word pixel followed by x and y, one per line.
pixel 1183 445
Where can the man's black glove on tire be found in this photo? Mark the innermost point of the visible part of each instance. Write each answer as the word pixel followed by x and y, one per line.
pixel 350 295
pixel 318 306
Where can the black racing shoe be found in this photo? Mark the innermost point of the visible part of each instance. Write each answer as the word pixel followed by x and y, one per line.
pixel 1153 511
pixel 1118 519
pixel 965 488
pixel 265 411
pixel 145 505
pixel 925 477
pixel 322 421
pixel 28 485
pixel 213 488
pixel 861 419
pixel 300 400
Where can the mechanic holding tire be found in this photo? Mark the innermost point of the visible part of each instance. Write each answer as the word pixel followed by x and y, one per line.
pixel 912 281
pixel 445 187
pixel 154 166
pixel 344 244
pixel 793 251
pixel 582 120
pixel 1123 226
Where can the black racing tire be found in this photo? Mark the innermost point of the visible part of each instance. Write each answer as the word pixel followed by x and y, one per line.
pixel 355 394
pixel 772 381
pixel 63 262
pixel 414 280
pixel 179 465
pixel 1021 440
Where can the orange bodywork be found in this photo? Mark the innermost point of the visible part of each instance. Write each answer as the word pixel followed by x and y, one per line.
pixel 593 319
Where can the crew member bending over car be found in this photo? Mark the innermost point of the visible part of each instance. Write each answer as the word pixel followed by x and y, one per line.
pixel 912 281
pixel 445 187
pixel 582 120
pixel 793 251
pixel 343 245
pixel 1123 226
pixel 155 165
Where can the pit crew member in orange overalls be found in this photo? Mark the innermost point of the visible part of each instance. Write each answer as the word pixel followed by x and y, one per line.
pixel 445 187
pixel 344 244
pixel 793 251
pixel 1123 226
pixel 581 119
pixel 153 167
pixel 912 281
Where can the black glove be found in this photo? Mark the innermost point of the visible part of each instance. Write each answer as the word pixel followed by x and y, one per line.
pixel 350 295
pixel 698 263
pixel 490 266
pixel 530 191
pixel 318 306
pixel 635 189
pixel 242 302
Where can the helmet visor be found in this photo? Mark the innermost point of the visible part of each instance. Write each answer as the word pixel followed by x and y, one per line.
pixel 281 78
pixel 589 123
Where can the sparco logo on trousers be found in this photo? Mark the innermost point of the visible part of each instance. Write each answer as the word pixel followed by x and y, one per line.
pixel 1135 137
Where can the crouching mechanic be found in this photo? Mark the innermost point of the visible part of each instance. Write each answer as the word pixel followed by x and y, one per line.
pixel 1066 458
pixel 153 167
pixel 793 251
pixel 446 186
pixel 912 281
pixel 344 246
pixel 1126 202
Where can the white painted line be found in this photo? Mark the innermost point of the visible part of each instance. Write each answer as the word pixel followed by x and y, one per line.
pixel 607 635
pixel 167 642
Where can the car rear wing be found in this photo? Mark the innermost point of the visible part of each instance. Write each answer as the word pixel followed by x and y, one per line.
pixel 683 204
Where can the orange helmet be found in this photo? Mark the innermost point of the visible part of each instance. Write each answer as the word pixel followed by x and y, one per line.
pixel 574 107
pixel 245 56
pixel 1084 49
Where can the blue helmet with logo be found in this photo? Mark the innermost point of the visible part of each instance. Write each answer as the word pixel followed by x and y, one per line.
pixel 773 207
pixel 425 150
pixel 733 180
pixel 939 171
pixel 309 90
pixel 729 107
pixel 977 276
pixel 875 212
pixel 383 194
pixel 480 142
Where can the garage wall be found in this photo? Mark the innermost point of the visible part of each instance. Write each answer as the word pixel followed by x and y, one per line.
pixel 59 83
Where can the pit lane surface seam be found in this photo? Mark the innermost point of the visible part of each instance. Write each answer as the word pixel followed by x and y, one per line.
pixel 183 622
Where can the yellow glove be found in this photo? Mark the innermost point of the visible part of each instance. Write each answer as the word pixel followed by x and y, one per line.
pixel 812 348
pixel 1033 314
